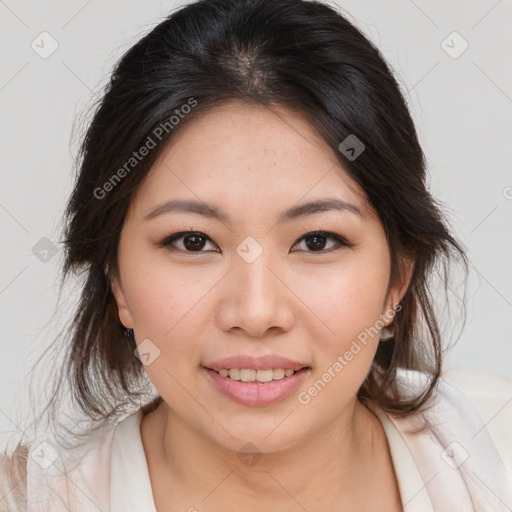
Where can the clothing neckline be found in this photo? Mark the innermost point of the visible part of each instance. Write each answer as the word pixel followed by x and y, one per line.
pixel 130 484
pixel 130 487
pixel 413 491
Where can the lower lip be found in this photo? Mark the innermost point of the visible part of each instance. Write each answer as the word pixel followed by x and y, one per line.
pixel 257 393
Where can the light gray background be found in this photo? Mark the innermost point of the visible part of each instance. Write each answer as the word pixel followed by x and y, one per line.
pixel 462 107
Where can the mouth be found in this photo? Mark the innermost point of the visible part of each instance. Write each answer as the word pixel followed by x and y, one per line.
pixel 256 387
pixel 258 376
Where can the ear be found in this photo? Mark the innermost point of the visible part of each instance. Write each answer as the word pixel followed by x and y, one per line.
pixel 397 289
pixel 122 304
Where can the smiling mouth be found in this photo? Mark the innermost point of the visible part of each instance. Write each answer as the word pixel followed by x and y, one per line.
pixel 257 376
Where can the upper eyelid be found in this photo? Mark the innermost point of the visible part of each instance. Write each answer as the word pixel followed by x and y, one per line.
pixel 319 232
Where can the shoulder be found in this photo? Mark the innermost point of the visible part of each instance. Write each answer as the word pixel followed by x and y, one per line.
pixel 13 475
pixel 460 440
pixel 36 475
pixel 54 463
pixel 492 397
pixel 469 400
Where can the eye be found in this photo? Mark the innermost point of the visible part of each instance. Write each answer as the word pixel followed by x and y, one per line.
pixel 316 241
pixel 192 241
pixel 195 241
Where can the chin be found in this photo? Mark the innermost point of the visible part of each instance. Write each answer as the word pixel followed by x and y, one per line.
pixel 270 435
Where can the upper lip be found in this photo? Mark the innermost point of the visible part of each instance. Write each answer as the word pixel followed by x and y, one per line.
pixel 269 361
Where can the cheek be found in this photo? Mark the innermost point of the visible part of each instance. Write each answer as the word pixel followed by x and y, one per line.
pixel 167 310
pixel 163 298
pixel 350 308
pixel 347 299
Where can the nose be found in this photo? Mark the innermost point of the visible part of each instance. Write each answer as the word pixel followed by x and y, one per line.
pixel 256 299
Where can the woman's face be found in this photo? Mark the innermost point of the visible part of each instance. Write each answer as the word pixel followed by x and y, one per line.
pixel 249 284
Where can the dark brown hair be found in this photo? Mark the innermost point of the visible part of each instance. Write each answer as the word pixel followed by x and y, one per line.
pixel 297 54
pixel 301 55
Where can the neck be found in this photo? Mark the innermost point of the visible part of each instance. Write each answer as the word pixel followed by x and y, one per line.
pixel 331 467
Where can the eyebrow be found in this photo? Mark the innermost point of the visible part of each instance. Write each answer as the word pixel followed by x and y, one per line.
pixel 212 211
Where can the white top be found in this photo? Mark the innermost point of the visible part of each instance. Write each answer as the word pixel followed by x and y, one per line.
pixel 131 488
pixel 454 465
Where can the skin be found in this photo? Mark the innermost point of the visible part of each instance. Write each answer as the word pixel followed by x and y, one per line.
pixel 305 304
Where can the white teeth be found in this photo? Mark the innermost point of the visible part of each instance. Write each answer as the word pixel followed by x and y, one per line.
pixel 264 375
pixel 251 375
pixel 234 374
pixel 278 374
pixel 247 375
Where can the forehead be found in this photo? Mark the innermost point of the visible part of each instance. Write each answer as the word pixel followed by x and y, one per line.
pixel 247 155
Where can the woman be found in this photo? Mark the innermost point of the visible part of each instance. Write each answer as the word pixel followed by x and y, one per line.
pixel 257 241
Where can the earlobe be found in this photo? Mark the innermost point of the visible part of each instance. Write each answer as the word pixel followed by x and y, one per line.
pixel 122 306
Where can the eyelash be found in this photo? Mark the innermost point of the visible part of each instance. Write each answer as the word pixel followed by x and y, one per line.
pixel 168 240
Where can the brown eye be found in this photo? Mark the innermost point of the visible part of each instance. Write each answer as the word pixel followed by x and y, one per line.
pixel 194 242
pixel 317 241
pixel 191 241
